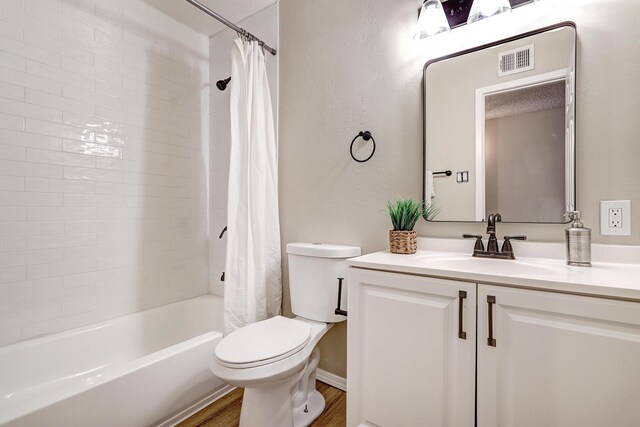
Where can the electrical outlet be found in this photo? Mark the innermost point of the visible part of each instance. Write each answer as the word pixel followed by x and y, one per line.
pixel 615 217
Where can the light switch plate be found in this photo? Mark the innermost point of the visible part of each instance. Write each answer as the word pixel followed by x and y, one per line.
pixel 615 217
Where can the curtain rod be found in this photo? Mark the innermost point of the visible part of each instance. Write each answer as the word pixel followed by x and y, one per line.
pixel 233 26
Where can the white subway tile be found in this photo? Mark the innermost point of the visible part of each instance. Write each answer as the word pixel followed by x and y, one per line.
pixel 62 241
pixel 48 15
pixel 12 168
pixel 86 252
pixel 91 149
pixel 100 123
pixel 11 183
pixel 60 158
pixel 11 122
pixel 20 198
pixel 110 200
pixel 47 276
pixel 10 336
pixel 13 213
pixel 92 200
pixel 54 5
pixel 59 103
pixel 28 51
pixel 14 62
pixel 11 305
pixel 11 91
pixel 45 185
pixel 91 97
pixel 91 70
pixel 60 75
pixel 12 259
pixel 79 266
pixel 11 31
pixel 60 213
pixel 29 110
pixel 93 174
pixel 19 78
pixel 11 274
pixel 12 152
pixel 22 139
pixel 90 226
pixel 18 16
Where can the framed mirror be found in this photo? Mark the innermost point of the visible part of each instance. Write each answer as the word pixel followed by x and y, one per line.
pixel 499 129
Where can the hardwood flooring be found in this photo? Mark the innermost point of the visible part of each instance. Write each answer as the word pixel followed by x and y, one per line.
pixel 225 412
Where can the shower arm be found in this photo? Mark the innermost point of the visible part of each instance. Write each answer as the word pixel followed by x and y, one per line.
pixel 241 31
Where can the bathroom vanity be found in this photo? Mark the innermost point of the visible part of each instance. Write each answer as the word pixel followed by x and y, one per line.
pixel 439 338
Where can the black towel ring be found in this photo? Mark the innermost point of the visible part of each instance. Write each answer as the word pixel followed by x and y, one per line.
pixel 366 135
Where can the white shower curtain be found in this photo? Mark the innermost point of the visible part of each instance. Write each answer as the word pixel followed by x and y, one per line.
pixel 253 286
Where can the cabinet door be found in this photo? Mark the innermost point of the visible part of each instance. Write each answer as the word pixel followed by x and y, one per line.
pixel 558 361
pixel 407 365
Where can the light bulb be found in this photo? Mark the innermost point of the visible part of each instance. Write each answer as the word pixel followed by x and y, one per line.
pixel 481 9
pixel 432 20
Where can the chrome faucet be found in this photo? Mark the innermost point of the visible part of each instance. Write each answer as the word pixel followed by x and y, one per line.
pixel 492 245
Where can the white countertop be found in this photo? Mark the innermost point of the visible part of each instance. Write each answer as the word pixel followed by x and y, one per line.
pixel 604 279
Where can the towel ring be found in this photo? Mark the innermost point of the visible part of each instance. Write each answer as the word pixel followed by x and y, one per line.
pixel 366 135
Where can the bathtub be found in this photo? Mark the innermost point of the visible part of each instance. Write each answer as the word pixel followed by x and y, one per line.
pixel 143 369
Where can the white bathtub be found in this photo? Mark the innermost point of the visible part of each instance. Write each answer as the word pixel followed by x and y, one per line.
pixel 137 370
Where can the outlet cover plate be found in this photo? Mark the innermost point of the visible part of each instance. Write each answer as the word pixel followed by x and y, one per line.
pixel 607 228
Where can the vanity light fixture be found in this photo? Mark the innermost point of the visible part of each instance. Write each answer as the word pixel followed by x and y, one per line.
pixel 482 9
pixel 432 20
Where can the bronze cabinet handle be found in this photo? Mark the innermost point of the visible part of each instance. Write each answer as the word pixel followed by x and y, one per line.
pixel 491 341
pixel 461 333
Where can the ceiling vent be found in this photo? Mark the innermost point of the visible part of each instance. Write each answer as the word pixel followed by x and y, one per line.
pixel 515 61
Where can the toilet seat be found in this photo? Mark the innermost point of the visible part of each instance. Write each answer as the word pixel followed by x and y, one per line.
pixel 263 342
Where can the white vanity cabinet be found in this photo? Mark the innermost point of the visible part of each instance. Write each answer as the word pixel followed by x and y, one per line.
pixel 411 356
pixel 559 360
pixel 550 359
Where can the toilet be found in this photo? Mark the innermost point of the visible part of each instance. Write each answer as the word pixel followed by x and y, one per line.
pixel 275 360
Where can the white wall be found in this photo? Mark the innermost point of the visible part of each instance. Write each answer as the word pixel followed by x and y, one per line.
pixel 263 24
pixel 103 162
pixel 347 66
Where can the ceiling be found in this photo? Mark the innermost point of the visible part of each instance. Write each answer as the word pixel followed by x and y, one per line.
pixel 234 10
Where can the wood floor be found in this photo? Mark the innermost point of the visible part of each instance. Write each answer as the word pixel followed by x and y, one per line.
pixel 225 412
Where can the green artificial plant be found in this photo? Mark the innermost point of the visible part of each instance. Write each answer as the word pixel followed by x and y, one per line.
pixel 404 213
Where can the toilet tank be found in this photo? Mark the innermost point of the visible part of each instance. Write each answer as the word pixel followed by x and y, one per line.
pixel 314 269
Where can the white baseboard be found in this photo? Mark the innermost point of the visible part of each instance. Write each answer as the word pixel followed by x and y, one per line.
pixel 332 379
pixel 200 404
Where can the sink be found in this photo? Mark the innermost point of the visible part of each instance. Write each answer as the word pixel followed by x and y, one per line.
pixel 480 265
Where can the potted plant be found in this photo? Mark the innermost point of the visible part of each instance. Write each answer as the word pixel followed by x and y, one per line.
pixel 404 214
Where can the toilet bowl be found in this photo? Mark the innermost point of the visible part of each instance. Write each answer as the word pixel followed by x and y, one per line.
pixel 275 360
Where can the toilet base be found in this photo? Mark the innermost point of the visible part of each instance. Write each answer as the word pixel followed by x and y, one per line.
pixel 291 403
pixel 314 407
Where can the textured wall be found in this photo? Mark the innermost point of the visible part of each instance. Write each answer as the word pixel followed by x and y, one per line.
pixel 103 162
pixel 351 66
pixel 263 24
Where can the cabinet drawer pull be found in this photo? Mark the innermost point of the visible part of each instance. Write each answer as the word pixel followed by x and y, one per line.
pixel 461 333
pixel 491 341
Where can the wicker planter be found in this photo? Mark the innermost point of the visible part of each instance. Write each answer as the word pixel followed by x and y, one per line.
pixel 402 242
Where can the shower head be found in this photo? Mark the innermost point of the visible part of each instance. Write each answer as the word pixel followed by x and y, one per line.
pixel 222 84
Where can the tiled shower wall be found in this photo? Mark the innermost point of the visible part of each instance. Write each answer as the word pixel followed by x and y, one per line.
pixel 264 24
pixel 103 162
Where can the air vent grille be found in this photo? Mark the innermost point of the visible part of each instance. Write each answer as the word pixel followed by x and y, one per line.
pixel 515 61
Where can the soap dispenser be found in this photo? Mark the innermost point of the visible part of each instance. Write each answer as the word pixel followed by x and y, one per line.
pixel 578 241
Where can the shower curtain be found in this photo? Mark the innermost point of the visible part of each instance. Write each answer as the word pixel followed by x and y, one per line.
pixel 253 286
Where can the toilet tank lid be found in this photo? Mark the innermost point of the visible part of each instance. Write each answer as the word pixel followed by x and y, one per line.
pixel 323 250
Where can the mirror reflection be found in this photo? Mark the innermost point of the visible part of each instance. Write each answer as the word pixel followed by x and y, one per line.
pixel 501 119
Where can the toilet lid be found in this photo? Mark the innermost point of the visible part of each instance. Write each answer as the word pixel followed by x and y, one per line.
pixel 263 342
